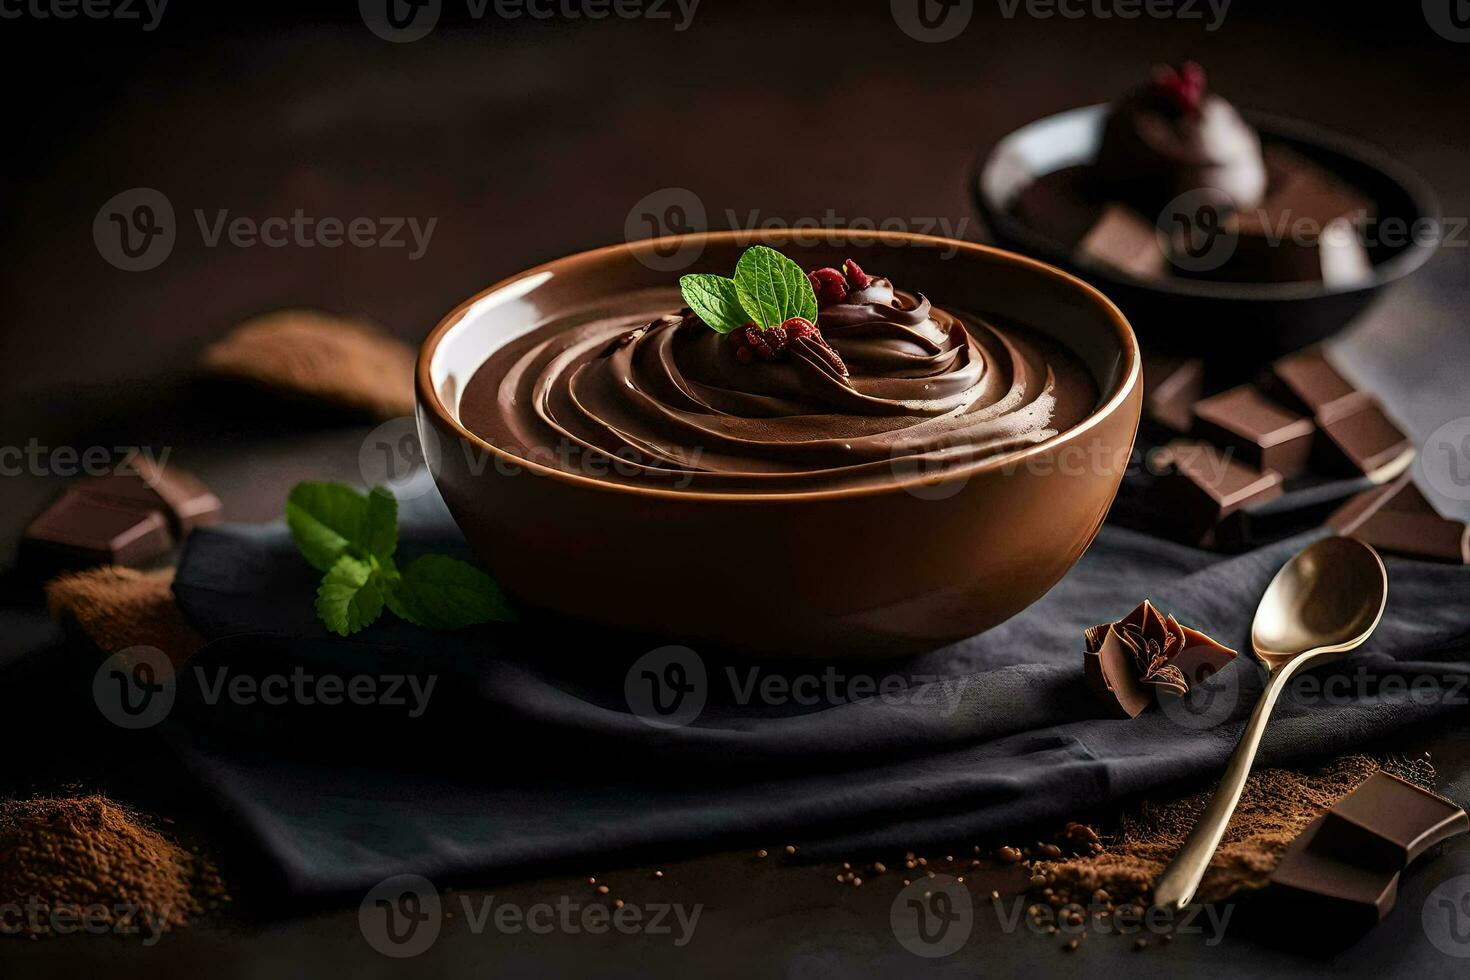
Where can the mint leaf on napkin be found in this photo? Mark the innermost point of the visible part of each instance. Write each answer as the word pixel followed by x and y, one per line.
pixel 350 596
pixel 444 593
pixel 326 522
pixel 772 288
pixel 352 536
pixel 716 301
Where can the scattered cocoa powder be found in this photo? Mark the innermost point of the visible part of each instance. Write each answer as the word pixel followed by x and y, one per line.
pixel 88 864
pixel 123 607
pixel 1276 806
pixel 348 363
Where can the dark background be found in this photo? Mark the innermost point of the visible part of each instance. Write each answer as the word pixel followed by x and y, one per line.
pixel 527 140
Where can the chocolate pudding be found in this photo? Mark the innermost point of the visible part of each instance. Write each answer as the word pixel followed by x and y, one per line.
pixel 637 388
pixel 1182 185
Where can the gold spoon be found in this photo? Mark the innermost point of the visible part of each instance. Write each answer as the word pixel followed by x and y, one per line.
pixel 1326 601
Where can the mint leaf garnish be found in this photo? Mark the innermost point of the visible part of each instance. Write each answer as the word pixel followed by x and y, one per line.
pixel 772 288
pixel 349 597
pixel 326 521
pixel 444 593
pixel 715 300
pixel 352 536
pixel 380 523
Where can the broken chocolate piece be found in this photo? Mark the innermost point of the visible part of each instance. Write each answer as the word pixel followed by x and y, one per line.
pixel 1123 239
pixel 1060 205
pixel 1417 536
pixel 80 530
pixel 1343 870
pixel 1171 386
pixel 1205 484
pixel 1365 441
pixel 1263 433
pixel 141 483
pixel 1308 382
pixel 1130 664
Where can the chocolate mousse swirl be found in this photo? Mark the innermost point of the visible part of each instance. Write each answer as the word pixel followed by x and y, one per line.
pixel 664 402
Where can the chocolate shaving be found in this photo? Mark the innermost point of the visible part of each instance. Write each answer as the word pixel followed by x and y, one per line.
pixel 1130 664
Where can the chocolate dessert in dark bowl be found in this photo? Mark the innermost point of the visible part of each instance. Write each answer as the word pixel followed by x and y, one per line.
pixel 919 458
pixel 1237 236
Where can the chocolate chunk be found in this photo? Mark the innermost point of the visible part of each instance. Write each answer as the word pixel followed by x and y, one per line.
pixel 1171 386
pixel 1123 239
pixel 143 484
pixel 1307 382
pixel 81 530
pixel 1262 432
pixel 1417 536
pixel 1343 870
pixel 1205 484
pixel 1059 205
pixel 1365 441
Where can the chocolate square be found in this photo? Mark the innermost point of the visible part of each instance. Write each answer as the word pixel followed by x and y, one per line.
pixel 1123 239
pixel 1308 382
pixel 79 530
pixel 1206 483
pixel 1263 433
pixel 1171 386
pixel 1364 441
pixel 186 501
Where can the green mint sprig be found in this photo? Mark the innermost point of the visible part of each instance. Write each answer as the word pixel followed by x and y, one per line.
pixel 768 289
pixel 351 538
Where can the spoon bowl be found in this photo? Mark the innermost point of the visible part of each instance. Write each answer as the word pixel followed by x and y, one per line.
pixel 1325 601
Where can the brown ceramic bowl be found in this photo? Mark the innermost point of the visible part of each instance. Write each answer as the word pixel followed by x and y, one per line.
pixel 867 571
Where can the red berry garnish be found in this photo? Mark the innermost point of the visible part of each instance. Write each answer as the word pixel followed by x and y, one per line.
pixel 829 285
pixel 1182 89
pixel 798 327
pixel 855 275
pixel 753 343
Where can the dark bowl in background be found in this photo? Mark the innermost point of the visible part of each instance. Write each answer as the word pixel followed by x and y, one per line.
pixel 1237 327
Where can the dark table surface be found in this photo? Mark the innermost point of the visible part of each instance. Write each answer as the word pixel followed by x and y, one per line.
pixel 524 140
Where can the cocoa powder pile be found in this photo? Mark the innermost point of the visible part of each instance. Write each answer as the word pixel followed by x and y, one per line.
pixel 88 864
pixel 1277 805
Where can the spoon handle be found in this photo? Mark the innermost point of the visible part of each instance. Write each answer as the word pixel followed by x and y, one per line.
pixel 1176 886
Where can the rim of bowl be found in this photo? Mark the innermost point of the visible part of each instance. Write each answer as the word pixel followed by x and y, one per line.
pixel 1129 378
pixel 1409 259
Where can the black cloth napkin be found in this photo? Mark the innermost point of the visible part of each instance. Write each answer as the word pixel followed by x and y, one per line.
pixel 529 747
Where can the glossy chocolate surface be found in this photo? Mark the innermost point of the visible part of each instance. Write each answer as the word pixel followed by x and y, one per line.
pixel 667 398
